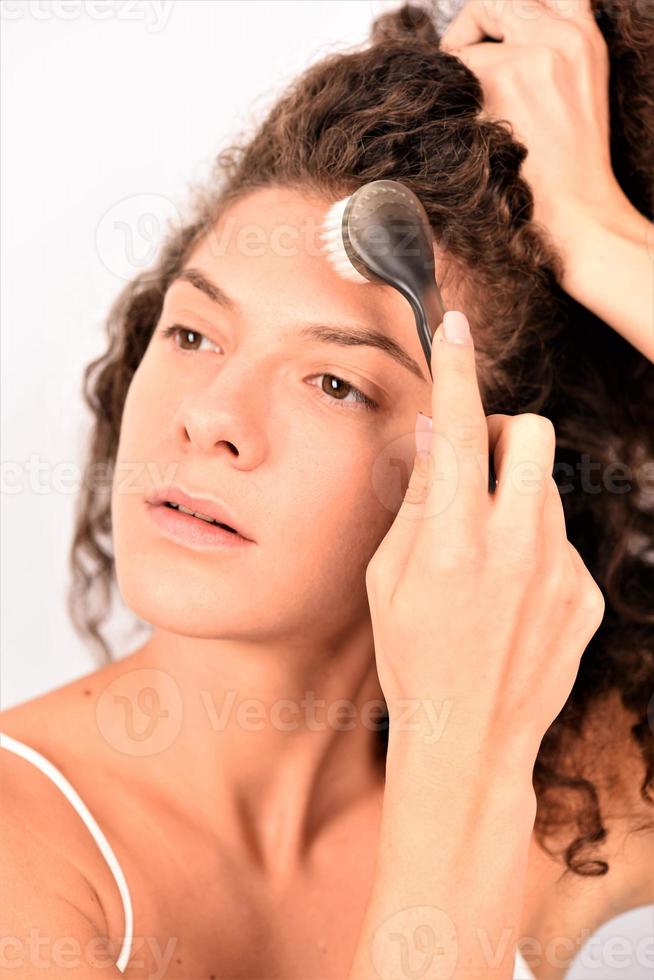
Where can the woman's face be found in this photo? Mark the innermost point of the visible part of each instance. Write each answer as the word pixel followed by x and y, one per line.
pixel 242 403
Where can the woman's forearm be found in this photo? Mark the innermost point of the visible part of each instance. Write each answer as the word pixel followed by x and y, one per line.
pixel 610 270
pixel 447 898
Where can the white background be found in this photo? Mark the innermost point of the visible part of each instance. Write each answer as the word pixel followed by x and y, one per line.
pixel 105 107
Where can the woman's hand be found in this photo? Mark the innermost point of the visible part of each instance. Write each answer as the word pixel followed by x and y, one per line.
pixel 479 599
pixel 549 78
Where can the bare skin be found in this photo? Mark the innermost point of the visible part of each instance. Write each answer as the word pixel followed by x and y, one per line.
pixel 204 905
pixel 231 909
pixel 253 844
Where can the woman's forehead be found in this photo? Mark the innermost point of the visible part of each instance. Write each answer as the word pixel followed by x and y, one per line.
pixel 267 247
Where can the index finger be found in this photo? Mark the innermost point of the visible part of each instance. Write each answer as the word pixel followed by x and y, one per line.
pixel 458 486
pixel 473 23
pixel 511 21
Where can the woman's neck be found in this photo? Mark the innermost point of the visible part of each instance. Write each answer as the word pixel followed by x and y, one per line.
pixel 264 747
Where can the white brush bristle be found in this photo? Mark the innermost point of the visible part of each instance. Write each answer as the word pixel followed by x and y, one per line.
pixel 333 247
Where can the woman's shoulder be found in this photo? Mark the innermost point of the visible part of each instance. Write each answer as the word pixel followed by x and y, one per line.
pixel 55 764
pixel 62 727
pixel 66 724
pixel 42 845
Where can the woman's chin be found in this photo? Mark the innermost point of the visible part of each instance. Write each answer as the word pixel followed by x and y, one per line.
pixel 177 606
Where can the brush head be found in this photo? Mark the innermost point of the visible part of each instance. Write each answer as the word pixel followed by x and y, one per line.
pixel 381 233
pixel 335 244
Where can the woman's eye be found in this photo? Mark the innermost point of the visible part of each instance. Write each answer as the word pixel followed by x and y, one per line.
pixel 338 389
pixel 178 331
pixel 335 393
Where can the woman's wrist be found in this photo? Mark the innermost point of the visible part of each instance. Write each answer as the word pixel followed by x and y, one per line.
pixel 451 865
pixel 608 260
pixel 622 219
pixel 468 802
pixel 476 776
pixel 460 762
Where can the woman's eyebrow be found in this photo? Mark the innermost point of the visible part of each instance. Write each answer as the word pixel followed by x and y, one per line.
pixel 206 286
pixel 326 332
pixel 361 337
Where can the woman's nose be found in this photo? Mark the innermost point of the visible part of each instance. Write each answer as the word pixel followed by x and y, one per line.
pixel 227 415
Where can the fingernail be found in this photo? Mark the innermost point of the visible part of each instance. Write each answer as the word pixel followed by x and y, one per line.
pixel 423 433
pixel 456 329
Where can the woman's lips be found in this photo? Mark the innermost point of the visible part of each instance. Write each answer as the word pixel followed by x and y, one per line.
pixel 193 530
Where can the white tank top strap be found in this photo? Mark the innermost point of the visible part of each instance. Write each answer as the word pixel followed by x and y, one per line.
pixel 521 970
pixel 58 778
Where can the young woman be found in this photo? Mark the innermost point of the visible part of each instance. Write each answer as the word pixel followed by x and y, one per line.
pixel 395 725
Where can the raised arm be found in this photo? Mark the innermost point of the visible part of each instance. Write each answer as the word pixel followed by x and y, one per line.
pixel 448 893
pixel 481 609
pixel 549 79
pixel 609 268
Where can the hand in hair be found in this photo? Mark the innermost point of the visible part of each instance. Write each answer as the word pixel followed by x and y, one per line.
pixel 549 78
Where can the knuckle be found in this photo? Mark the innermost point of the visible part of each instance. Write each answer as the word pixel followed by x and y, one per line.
pixel 561 580
pixel 374 573
pixel 536 430
pixel 540 424
pixel 467 433
pixel 585 594
pixel 504 81
pixel 574 40
pixel 593 599
pixel 542 58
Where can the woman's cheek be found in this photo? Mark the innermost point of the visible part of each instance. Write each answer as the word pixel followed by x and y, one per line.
pixel 370 497
pixel 148 406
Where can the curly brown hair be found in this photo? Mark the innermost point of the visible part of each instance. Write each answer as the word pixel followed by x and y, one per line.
pixel 401 108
